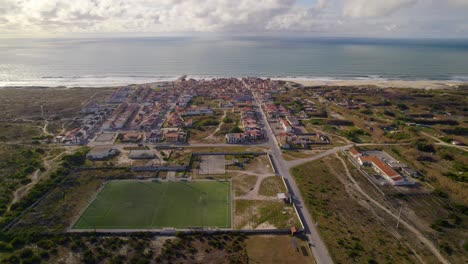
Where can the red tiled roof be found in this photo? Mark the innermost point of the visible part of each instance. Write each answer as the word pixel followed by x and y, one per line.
pixel 381 165
pixel 354 151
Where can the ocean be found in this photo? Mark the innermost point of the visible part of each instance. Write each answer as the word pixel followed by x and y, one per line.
pixel 120 61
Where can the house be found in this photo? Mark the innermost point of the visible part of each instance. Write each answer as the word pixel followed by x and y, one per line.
pixel 254 134
pixel 175 136
pixel 322 137
pixel 101 152
pixel 235 138
pixel 286 126
pixel 175 120
pixel 228 104
pixel 154 137
pixel 76 136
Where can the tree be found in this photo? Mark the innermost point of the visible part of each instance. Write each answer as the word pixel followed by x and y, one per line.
pixel 236 129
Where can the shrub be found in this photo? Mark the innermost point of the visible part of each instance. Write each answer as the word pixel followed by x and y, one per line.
pixel 227 120
pixel 5 247
pixel 17 242
pixel 402 107
pixel 26 253
pixel 236 129
pixel 425 147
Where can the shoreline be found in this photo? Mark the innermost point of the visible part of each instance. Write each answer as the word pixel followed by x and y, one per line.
pixel 379 83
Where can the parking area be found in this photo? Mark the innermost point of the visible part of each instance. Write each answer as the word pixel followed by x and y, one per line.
pixel 385 157
pixel 212 164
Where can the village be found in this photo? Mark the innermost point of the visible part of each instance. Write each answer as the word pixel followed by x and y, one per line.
pixel 282 156
pixel 169 113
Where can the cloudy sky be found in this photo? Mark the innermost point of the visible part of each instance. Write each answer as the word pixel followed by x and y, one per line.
pixel 347 18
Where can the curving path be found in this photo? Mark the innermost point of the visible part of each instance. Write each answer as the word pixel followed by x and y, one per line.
pixel 411 228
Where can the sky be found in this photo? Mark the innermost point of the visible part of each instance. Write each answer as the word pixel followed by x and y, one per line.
pixel 331 18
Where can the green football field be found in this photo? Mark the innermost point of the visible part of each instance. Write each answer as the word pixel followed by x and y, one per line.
pixel 154 205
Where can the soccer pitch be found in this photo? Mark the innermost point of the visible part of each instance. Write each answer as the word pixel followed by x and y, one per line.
pixel 155 205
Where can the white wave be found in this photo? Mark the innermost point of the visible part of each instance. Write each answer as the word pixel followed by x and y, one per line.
pixel 460 78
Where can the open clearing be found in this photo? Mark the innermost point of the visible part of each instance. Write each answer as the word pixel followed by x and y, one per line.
pixel 155 205
pixel 277 249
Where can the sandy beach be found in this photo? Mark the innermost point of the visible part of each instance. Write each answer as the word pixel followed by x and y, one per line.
pixel 379 83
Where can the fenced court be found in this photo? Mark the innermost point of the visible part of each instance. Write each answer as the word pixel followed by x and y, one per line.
pixel 157 205
pixel 212 164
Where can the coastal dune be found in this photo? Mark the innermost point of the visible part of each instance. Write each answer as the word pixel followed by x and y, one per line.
pixel 422 84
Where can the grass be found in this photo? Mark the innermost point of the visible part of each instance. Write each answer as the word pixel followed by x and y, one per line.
pixel 243 183
pixel 23 133
pixel 134 205
pixel 271 186
pixel 276 249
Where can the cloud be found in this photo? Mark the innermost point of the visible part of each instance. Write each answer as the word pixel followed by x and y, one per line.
pixel 145 15
pixel 374 8
pixel 151 17
pixel 463 3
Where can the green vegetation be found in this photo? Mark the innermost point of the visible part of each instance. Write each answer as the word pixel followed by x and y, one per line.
pixel 24 133
pixel 16 164
pixel 227 119
pixel 69 162
pixel 422 145
pixel 271 186
pixel 354 134
pixel 236 129
pixel 134 204
pixel 136 248
pixel 461 131
pixel 243 184
pixel 331 205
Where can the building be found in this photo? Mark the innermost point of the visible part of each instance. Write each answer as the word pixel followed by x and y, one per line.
pixel 154 137
pixel 293 120
pixel 355 152
pixel 195 111
pixel 175 136
pixel 101 152
pixel 286 126
pixel 236 138
pixel 393 177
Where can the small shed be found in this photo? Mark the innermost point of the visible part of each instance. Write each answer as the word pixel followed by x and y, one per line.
pixel 293 230
pixel 286 197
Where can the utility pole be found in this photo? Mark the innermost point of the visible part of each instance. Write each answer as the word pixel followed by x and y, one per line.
pixel 399 215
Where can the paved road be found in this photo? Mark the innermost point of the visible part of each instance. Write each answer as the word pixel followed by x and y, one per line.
pixel 319 250
pixel 442 143
pixel 334 150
